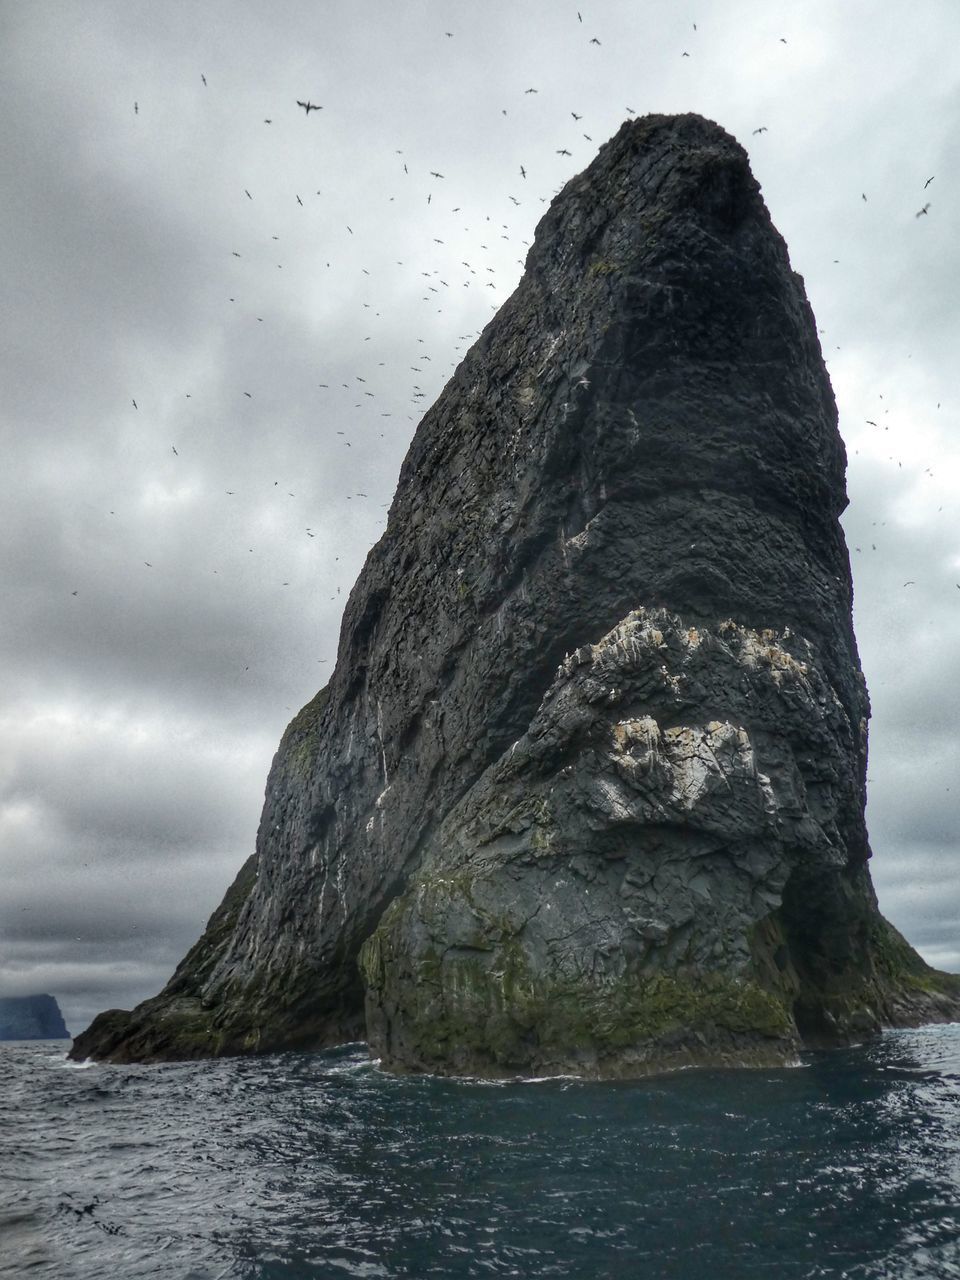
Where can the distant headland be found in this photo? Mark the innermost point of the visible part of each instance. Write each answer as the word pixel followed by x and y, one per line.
pixel 31 1018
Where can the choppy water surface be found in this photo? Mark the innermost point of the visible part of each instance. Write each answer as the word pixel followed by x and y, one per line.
pixel 316 1165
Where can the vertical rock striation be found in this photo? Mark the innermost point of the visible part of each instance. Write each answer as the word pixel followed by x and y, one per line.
pixel 586 788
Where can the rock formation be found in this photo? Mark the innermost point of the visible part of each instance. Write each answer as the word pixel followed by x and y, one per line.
pixel 31 1018
pixel 586 789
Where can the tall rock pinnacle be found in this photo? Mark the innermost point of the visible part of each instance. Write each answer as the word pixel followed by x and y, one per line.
pixel 586 788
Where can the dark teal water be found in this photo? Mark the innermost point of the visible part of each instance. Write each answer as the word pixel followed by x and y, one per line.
pixel 318 1165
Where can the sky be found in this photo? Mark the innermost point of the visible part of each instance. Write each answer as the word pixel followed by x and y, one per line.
pixel 223 317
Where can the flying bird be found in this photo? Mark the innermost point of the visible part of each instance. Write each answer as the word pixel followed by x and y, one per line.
pixel 135 404
pixel 562 151
pixel 928 181
pixel 762 129
pixel 248 395
pixel 921 212
pixel 136 108
pixel 247 194
pixel 594 40
pixel 434 174
pixel 268 122
pixel 299 201
pixel 308 106
pixel 523 172
pixel 174 448
pixel 575 116
pixel 203 77
pixel 531 91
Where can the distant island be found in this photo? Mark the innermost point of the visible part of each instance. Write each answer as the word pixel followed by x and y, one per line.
pixel 31 1018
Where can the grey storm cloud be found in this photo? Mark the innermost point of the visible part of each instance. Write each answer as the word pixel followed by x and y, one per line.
pixel 284 300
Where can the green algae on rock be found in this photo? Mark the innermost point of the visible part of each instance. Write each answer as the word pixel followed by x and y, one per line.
pixel 586 788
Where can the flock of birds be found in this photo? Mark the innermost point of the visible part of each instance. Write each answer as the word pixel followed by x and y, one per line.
pixel 478 273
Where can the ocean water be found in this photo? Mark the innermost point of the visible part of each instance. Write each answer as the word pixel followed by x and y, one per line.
pixel 319 1165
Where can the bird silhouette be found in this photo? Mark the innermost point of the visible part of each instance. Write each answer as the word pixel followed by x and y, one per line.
pixel 523 172
pixel 594 40
pixel 575 116
pixel 135 404
pixel 921 212
pixel 203 77
pixel 434 174
pixel 762 129
pixel 308 106
pixel 562 151
pixel 928 181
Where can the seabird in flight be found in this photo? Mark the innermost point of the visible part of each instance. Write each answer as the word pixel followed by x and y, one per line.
pixel 308 106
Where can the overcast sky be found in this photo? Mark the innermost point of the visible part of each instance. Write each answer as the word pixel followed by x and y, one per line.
pixel 222 319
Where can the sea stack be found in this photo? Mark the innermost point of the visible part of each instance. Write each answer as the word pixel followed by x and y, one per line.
pixel 31 1018
pixel 585 792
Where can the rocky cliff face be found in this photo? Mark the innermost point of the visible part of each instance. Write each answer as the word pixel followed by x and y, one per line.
pixel 31 1018
pixel 586 788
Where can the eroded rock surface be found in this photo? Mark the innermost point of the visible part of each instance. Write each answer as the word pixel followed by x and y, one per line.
pixel 655 854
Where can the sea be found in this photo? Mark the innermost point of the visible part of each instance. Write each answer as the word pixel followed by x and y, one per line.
pixel 322 1165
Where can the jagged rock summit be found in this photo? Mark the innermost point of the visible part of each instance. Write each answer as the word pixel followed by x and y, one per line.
pixel 585 791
